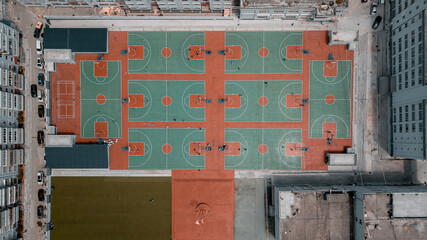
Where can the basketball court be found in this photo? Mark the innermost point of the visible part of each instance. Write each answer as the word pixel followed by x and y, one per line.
pixel 260 88
pixel 209 102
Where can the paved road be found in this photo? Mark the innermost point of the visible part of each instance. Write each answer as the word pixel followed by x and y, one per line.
pixel 25 20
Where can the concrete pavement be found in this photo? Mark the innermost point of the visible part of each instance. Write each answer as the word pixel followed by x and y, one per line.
pixel 25 21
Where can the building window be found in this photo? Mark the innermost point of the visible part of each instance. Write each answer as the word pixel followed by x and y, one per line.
pixel 394 115
pixel 406 113
pixel 413 112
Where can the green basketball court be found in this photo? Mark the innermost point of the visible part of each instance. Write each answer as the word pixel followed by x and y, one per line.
pixel 164 52
pixel 265 52
pixel 166 148
pixel 100 99
pixel 165 100
pixel 338 89
pixel 264 148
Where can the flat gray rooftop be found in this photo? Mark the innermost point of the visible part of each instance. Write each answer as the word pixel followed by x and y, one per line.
pixel 315 215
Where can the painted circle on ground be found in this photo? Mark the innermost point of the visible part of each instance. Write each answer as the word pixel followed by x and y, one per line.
pixel 166 52
pixel 166 100
pixel 262 148
pixel 330 99
pixel 100 99
pixel 263 52
pixel 263 100
pixel 203 210
pixel 167 148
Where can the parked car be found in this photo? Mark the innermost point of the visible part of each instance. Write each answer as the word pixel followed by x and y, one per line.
pixel 33 90
pixel 40 95
pixel 374 7
pixel 39 47
pixel 382 1
pixel 40 211
pixel 364 1
pixel 41 111
pixel 40 63
pixel 40 79
pixel 41 195
pixel 40 137
pixel 38 29
pixel 377 22
pixel 40 177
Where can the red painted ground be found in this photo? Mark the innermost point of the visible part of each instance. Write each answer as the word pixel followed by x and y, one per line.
pixel 196 52
pixel 136 52
pixel 213 187
pixel 330 68
pixel 100 69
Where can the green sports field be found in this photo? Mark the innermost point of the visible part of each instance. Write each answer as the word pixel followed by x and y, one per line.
pixel 111 208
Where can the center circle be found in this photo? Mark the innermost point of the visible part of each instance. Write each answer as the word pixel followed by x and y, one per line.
pixel 166 52
pixel 262 148
pixel 263 100
pixel 100 99
pixel 263 52
pixel 167 148
pixel 330 99
pixel 203 210
pixel 166 100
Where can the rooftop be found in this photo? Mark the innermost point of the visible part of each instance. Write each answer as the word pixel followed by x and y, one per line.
pixel 290 3
pixel 395 216
pixel 78 156
pixel 315 215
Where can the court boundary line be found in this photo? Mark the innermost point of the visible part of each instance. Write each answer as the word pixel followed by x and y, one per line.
pixel 348 130
pixel 279 147
pixel 151 148
pixel 149 52
pixel 280 52
pixel 204 57
pixel 105 78
pixel 138 82
pixel 247 50
pixel 247 102
pixel 280 99
pixel 66 110
pixel 241 146
pixel 119 128
pixel 101 115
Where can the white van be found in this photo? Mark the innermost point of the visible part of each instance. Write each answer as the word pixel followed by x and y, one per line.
pixel 40 95
pixel 39 47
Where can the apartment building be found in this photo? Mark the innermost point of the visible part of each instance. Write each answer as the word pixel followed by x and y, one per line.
pixel 136 5
pixel 11 135
pixel 408 64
